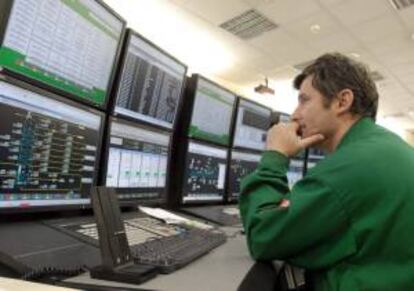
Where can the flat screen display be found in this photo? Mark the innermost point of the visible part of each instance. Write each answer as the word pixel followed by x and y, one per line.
pixel 212 113
pixel 252 124
pixel 137 162
pixel 241 165
pixel 205 173
pixel 47 157
pixel 70 45
pixel 150 85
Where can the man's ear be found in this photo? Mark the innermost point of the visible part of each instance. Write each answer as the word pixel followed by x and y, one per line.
pixel 344 101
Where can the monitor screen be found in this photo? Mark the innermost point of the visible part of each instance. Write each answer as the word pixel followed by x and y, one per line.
pixel 47 157
pixel 252 124
pixel 204 175
pixel 137 162
pixel 314 157
pixel 316 154
pixel 295 171
pixel 212 113
pixel 150 85
pixel 311 164
pixel 69 45
pixel 241 165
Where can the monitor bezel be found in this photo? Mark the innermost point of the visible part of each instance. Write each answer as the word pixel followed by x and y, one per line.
pixel 63 207
pixel 190 97
pixel 183 172
pixel 4 20
pixel 122 62
pixel 104 162
pixel 236 114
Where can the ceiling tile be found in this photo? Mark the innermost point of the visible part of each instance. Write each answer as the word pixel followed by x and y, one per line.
pixel 241 75
pixel 352 12
pixel 259 3
pixel 283 48
pixel 401 58
pixel 391 44
pixel 330 2
pixel 403 69
pixel 216 11
pixel 282 73
pixel 286 11
pixel 341 42
pixel 407 16
pixel 179 2
pixel 276 40
pixel 302 27
pixel 369 31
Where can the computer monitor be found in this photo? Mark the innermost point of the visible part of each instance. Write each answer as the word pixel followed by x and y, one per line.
pixel 151 83
pixel 241 164
pixel 252 124
pixel 314 156
pixel 295 171
pixel 212 112
pixel 49 149
pixel 137 161
pixel 68 46
pixel 204 174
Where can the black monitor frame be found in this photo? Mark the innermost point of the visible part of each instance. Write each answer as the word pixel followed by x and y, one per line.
pixel 234 122
pixel 122 62
pixel 105 156
pixel 5 12
pixel 187 108
pixel 42 92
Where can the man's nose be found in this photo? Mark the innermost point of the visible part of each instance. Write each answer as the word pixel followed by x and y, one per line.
pixel 295 114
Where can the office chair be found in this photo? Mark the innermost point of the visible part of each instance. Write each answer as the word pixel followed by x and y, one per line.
pixel 274 276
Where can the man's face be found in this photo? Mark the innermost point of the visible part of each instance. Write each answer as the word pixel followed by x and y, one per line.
pixel 312 114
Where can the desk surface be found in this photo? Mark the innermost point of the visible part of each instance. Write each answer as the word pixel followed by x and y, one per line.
pixel 8 284
pixel 221 270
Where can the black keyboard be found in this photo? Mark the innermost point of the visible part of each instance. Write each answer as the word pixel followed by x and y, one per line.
pixel 154 242
pixel 173 252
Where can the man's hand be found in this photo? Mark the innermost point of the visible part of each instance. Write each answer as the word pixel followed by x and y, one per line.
pixel 284 138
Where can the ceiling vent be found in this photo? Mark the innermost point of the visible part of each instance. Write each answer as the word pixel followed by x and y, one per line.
pixel 376 76
pixel 401 4
pixel 303 65
pixel 249 24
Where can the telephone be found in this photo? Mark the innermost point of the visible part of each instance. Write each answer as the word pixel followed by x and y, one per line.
pixel 117 261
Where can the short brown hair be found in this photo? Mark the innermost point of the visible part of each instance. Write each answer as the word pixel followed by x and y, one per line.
pixel 334 72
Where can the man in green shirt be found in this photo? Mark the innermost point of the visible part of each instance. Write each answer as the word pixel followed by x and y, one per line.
pixel 350 221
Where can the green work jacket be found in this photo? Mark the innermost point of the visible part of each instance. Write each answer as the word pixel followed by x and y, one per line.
pixel 349 222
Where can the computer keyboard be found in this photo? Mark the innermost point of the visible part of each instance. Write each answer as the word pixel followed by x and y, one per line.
pixel 174 252
pixel 154 242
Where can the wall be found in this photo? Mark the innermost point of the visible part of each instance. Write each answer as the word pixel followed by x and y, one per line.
pixel 409 137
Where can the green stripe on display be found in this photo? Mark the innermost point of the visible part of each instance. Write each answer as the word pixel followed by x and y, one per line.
pixel 15 62
pixel 196 132
pixel 84 11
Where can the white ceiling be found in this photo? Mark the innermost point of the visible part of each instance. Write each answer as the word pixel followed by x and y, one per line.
pixel 382 37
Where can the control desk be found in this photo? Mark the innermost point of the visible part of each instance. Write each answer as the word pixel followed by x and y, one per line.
pixel 222 269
